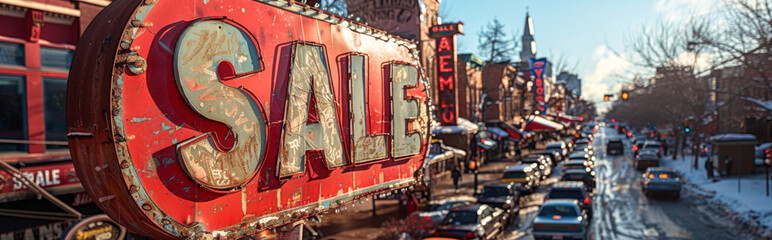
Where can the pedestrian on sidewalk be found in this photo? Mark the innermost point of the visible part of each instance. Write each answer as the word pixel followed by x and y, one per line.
pixel 728 164
pixel 456 175
pixel 709 167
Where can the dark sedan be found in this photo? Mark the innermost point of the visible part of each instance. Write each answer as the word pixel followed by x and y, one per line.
pixel 476 221
pixel 503 196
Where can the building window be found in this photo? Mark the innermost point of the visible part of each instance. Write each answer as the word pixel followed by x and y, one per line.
pixel 11 54
pixel 54 96
pixel 12 113
pixel 55 57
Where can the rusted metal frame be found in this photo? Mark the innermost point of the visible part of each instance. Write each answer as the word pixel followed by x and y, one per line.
pixel 350 90
pixel 36 214
pixel 15 173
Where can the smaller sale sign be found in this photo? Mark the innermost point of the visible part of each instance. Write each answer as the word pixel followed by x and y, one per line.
pixel 446 71
pixel 537 71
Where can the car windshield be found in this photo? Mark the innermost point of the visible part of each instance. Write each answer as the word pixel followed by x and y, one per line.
pixel 494 192
pixel 563 211
pixel 460 218
pixel 445 206
pixel 566 193
pixel 515 175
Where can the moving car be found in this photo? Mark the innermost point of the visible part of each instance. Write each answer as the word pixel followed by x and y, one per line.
pixel 582 156
pixel 648 145
pixel 661 180
pixel 646 160
pixel 475 221
pixel 583 147
pixel 615 147
pixel 560 219
pixel 559 147
pixel 553 156
pixel 503 196
pixel 580 164
pixel 575 174
pixel 544 165
pixel 571 190
pixel 436 210
pixel 525 176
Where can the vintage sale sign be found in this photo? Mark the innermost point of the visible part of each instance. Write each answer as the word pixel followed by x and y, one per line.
pixel 190 119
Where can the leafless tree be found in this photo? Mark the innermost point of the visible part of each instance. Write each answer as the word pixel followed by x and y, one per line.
pixel 494 43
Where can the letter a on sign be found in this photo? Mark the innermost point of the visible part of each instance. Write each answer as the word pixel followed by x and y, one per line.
pixel 309 73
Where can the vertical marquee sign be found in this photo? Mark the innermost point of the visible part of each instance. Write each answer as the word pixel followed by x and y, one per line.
pixel 221 118
pixel 537 71
pixel 445 35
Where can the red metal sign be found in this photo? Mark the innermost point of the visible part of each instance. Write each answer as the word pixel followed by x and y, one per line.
pixel 190 119
pixel 58 178
pixel 446 71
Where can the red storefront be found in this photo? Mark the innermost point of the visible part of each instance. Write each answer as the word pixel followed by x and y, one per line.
pixel 37 42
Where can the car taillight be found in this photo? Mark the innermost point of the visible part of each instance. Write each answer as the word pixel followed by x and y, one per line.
pixel 651 176
pixel 587 200
pixel 470 234
pixel 556 217
pixel 663 176
pixel 482 150
pixel 660 149
pixel 635 148
pixel 429 219
pixel 564 168
pixel 482 140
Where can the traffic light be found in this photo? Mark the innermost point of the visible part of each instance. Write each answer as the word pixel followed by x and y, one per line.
pixel 625 95
pixel 687 130
pixel 606 98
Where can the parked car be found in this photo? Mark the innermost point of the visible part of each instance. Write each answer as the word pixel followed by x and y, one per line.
pixel 615 147
pixel 525 176
pixel 661 180
pixel 475 221
pixel 559 147
pixel 544 165
pixel 502 195
pixel 575 174
pixel 571 190
pixel 436 210
pixel 646 160
pixel 561 219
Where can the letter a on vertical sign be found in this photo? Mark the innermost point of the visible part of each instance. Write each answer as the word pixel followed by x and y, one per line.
pixel 446 71
pixel 220 121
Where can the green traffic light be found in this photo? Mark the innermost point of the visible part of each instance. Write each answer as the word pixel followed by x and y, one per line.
pixel 687 130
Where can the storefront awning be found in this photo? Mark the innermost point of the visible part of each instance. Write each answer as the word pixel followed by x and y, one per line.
pixel 463 127
pixel 568 118
pixel 498 133
pixel 540 124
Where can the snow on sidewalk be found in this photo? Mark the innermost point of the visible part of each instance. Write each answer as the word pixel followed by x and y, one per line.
pixel 750 203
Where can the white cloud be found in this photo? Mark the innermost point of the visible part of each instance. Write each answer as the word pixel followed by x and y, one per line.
pixel 604 78
pixel 683 10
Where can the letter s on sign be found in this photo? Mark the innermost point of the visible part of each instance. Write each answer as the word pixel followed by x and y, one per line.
pixel 206 45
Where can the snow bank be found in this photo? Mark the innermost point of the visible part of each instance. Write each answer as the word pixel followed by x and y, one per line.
pixel 750 206
pixel 731 137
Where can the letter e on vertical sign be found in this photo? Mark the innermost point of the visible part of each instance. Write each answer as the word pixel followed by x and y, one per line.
pixel 445 36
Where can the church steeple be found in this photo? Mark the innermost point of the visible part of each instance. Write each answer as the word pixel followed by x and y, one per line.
pixel 528 45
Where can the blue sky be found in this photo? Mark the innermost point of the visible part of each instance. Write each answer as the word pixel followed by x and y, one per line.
pixel 589 34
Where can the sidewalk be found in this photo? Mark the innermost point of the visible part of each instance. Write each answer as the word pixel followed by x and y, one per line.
pixel 750 206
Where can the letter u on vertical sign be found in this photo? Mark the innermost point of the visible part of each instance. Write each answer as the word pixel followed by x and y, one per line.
pixel 309 78
pixel 201 48
pixel 364 147
pixel 404 110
